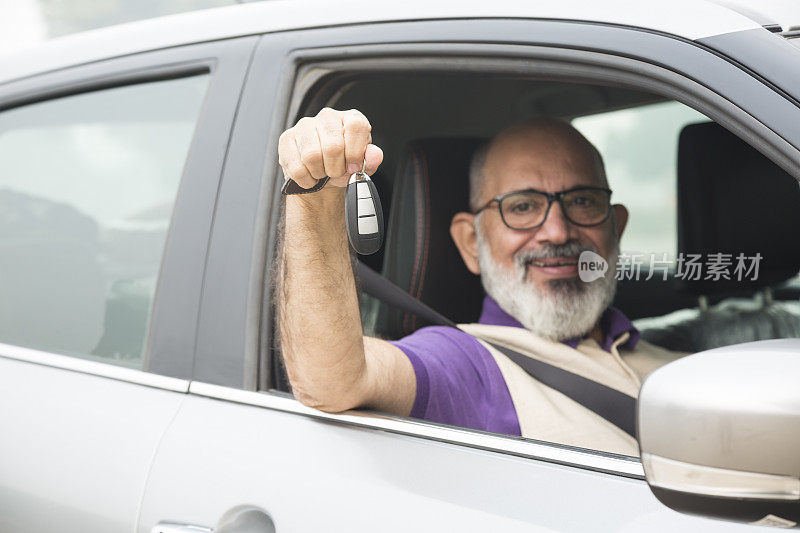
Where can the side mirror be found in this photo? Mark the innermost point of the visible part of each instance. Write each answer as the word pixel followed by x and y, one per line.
pixel 719 433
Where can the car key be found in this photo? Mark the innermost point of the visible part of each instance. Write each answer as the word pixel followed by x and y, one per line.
pixel 363 213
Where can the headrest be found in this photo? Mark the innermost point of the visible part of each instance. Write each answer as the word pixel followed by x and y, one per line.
pixel 733 200
pixel 430 186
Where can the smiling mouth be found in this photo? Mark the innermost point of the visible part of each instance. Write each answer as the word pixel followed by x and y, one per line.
pixel 554 262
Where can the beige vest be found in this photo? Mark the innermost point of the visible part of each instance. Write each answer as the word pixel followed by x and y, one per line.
pixel 548 415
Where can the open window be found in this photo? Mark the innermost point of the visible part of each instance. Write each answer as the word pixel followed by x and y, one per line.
pixel 695 190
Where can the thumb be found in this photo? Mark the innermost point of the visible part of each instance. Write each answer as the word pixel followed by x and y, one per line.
pixel 374 157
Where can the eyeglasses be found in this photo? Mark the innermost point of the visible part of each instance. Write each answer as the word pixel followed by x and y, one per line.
pixel 582 206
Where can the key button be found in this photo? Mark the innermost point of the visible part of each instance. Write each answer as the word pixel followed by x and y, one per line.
pixel 362 189
pixel 367 225
pixel 366 207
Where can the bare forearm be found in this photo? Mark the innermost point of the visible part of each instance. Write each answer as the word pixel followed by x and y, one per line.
pixel 320 325
pixel 330 364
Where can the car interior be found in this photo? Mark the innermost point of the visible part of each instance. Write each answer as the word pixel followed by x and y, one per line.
pixel 728 198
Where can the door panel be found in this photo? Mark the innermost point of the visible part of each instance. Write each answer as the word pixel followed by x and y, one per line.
pixel 76 448
pixel 313 475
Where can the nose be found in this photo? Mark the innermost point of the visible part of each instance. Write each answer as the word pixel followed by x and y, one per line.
pixel 556 229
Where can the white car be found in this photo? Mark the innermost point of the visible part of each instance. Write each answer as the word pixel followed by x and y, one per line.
pixel 140 380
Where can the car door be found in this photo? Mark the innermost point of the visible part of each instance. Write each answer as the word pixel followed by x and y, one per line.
pixel 237 446
pixel 108 177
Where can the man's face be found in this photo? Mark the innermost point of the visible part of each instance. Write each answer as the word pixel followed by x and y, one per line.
pixel 533 273
pixel 551 164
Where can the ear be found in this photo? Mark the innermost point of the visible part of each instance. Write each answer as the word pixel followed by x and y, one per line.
pixel 462 229
pixel 620 218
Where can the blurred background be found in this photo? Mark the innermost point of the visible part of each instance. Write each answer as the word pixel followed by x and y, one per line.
pixel 26 22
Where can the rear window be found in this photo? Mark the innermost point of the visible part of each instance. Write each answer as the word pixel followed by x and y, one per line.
pixel 87 187
pixel 640 150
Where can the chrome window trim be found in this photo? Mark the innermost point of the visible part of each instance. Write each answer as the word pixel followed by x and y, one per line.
pixel 552 453
pixel 75 364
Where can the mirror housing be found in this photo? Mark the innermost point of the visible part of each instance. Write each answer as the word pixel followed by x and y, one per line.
pixel 719 433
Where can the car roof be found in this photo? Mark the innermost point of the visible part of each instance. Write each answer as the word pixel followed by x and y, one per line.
pixel 690 19
pixel 783 14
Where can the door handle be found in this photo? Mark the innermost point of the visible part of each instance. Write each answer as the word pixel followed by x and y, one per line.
pixel 175 527
pixel 243 519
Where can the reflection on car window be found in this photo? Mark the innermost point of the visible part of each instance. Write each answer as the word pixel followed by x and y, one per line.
pixel 640 150
pixel 87 187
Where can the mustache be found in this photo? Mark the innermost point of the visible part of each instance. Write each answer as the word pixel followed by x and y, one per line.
pixel 549 251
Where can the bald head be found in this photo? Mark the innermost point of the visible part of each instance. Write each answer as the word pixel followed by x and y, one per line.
pixel 553 143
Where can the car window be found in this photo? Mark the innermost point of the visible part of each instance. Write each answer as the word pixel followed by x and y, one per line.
pixel 668 163
pixel 87 187
pixel 640 150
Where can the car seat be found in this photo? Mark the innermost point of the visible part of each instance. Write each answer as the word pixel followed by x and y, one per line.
pixel 732 200
pixel 430 186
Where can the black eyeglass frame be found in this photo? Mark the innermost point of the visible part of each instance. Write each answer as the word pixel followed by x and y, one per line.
pixel 551 197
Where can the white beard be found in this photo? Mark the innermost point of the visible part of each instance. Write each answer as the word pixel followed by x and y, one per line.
pixel 567 309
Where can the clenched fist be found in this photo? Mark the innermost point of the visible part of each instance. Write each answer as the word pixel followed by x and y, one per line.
pixel 333 143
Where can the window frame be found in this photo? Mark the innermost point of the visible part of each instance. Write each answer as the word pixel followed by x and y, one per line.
pixel 171 333
pixel 674 67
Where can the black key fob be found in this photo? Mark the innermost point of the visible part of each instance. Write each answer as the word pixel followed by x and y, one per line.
pixel 363 214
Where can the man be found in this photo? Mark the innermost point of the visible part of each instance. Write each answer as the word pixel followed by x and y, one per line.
pixel 539 198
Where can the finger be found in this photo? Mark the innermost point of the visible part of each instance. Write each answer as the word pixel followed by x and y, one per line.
pixel 374 156
pixel 331 135
pixel 289 159
pixel 310 148
pixel 356 137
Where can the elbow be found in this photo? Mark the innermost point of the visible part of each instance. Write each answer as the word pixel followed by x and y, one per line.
pixel 330 402
pixel 331 386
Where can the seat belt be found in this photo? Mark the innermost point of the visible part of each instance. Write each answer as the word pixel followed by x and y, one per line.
pixel 611 404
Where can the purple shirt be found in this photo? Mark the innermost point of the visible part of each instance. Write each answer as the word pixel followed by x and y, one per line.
pixel 458 381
